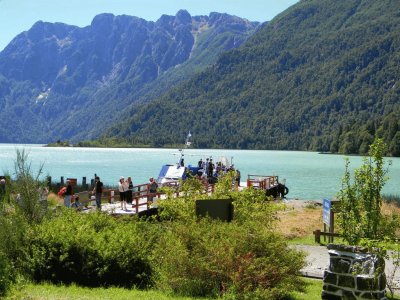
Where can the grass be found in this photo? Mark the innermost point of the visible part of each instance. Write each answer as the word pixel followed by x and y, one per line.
pixel 312 291
pixel 61 292
pixel 45 291
pixel 297 224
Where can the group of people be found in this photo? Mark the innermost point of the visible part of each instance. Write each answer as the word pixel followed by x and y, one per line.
pixel 210 171
pixel 125 188
pixel 68 193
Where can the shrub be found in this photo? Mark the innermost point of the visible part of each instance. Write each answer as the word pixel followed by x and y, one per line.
pixel 27 186
pixel 5 272
pixel 361 200
pixel 213 258
pixel 92 250
pixel 244 259
pixel 13 247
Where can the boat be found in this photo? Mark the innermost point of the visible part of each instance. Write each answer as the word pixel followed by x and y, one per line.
pixel 172 174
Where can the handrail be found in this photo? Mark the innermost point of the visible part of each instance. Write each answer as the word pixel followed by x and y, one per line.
pixel 263 182
pixel 140 192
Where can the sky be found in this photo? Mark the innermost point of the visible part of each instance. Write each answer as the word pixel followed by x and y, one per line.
pixel 17 16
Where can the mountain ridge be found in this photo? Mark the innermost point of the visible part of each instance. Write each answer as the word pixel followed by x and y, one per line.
pixel 320 76
pixel 72 82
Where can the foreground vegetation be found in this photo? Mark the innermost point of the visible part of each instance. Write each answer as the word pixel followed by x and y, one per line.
pixel 312 291
pixel 172 256
pixel 176 253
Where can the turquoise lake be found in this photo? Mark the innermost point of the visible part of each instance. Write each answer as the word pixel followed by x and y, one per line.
pixel 308 175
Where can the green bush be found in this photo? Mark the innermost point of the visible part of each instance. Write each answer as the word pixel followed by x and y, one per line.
pixel 27 186
pixel 92 250
pixel 244 259
pixel 361 218
pixel 213 258
pixel 5 270
pixel 16 218
pixel 13 246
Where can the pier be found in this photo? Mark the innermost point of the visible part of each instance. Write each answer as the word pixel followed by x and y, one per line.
pixel 143 199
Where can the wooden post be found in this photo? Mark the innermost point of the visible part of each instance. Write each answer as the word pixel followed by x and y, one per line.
pixel 317 236
pixel 332 226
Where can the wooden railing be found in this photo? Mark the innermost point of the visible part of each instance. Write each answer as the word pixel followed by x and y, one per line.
pixel 141 195
pixel 262 182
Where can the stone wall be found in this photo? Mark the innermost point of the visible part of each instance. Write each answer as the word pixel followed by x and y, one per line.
pixel 353 273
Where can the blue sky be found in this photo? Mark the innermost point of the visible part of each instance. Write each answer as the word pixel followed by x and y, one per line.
pixel 19 15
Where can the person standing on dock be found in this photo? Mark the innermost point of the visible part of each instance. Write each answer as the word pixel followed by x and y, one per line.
pixel 98 191
pixel 205 168
pixel 122 187
pixel 152 188
pixel 68 194
pixel 210 168
pixel 237 178
pixel 129 191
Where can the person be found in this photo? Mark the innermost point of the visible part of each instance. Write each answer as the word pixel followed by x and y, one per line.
pixel 98 191
pixel 200 163
pixel 44 193
pixel 205 168
pixel 122 187
pixel 68 194
pixel 2 189
pixel 77 204
pixel 129 191
pixel 237 178
pixel 210 168
pixel 152 187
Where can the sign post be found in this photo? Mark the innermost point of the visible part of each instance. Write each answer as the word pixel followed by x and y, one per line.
pixel 326 212
pixel 327 218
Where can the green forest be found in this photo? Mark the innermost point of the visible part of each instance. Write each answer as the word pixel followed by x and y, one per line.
pixel 321 76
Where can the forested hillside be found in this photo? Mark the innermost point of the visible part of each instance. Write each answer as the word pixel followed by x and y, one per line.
pixel 64 82
pixel 323 75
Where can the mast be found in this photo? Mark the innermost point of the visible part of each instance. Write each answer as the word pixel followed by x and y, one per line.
pixel 188 143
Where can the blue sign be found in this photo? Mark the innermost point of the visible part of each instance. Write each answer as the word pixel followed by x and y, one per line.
pixel 326 212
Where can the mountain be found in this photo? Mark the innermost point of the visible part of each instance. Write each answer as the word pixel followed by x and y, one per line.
pixel 64 82
pixel 322 76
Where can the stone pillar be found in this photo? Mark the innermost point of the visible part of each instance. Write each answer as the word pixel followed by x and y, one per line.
pixel 354 273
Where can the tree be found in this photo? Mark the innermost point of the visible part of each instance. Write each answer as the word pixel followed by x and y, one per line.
pixel 27 187
pixel 361 199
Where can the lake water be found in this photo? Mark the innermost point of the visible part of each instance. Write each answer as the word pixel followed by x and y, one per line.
pixel 308 175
